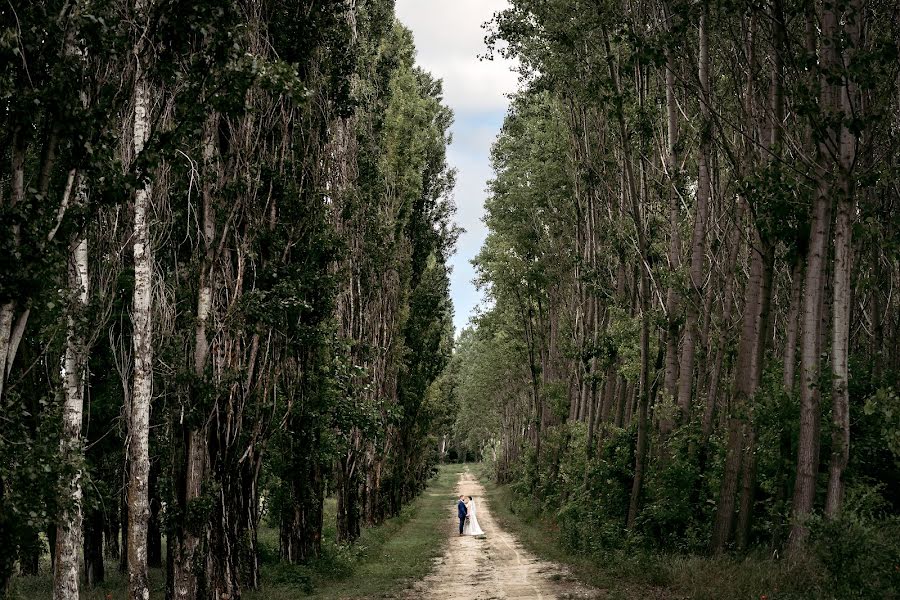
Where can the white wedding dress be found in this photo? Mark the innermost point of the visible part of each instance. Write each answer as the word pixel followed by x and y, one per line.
pixel 471 527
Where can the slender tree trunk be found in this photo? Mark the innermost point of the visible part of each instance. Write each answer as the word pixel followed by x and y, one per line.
pixel 142 328
pixel 842 292
pixel 745 387
pixel 673 300
pixel 748 490
pixel 68 536
pixel 154 528
pixel 735 243
pixel 698 239
pixel 123 542
pixel 8 341
pixel 301 519
pixel 789 358
pixel 840 408
pixel 748 466
pixel 808 451
pixel 814 286
pixel 348 516
pixel 185 575
pixel 94 567
pixel 643 404
pixel 7 312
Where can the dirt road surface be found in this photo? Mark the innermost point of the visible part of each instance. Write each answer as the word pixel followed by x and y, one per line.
pixel 493 567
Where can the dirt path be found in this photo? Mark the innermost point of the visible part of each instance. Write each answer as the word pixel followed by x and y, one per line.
pixel 494 567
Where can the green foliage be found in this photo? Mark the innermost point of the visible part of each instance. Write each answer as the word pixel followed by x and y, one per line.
pixel 860 548
pixel 884 406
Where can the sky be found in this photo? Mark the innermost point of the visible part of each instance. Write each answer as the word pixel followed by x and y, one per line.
pixel 449 38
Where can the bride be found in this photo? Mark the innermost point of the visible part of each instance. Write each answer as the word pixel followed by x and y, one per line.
pixel 472 527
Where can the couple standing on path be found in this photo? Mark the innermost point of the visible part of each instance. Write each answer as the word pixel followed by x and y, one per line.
pixel 468 520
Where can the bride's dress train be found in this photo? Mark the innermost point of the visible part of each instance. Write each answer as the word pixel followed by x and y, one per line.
pixel 471 527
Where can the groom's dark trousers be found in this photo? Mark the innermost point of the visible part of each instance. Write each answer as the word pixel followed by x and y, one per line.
pixel 461 511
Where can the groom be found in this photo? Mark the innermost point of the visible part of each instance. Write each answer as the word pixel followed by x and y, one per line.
pixel 462 512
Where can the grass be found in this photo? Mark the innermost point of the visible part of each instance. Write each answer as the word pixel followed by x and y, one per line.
pixel 384 561
pixel 35 587
pixel 642 574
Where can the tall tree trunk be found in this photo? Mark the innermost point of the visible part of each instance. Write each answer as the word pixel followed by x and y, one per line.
pixel 7 313
pixel 94 567
pixel 347 484
pixel 643 404
pixel 748 490
pixel 634 194
pixel 8 342
pixel 748 465
pixel 195 455
pixel 142 331
pixel 698 238
pixel 673 299
pixel 789 358
pixel 813 301
pixel 843 263
pixel 735 243
pixel 68 536
pixel 123 530
pixel 154 527
pixel 745 386
pixel 840 408
pixel 807 451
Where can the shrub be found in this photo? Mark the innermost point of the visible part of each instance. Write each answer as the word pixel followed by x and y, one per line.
pixel 860 548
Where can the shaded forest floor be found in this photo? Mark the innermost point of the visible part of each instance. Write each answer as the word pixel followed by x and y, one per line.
pixel 655 575
pixel 386 560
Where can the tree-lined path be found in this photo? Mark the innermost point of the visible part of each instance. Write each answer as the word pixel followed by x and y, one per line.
pixel 233 349
pixel 494 566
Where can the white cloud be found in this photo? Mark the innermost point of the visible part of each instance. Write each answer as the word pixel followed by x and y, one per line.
pixel 449 38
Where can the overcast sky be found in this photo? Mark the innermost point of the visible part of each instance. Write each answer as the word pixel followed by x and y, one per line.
pixel 449 38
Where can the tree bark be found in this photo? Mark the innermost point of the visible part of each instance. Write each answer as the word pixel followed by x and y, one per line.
pixel 94 567
pixel 195 459
pixel 748 372
pixel 348 517
pixel 154 527
pixel 142 328
pixel 8 308
pixel 68 536
pixel 813 301
pixel 698 238
pixel 735 243
pixel 840 408
pixel 673 299
pixel 842 292
pixel 807 452
pixel 789 358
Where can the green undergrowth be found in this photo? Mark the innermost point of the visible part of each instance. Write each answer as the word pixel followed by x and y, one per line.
pixel 633 572
pixel 384 561
pixel 40 587
pixel 381 564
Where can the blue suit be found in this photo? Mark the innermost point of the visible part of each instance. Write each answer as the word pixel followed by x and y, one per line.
pixel 463 513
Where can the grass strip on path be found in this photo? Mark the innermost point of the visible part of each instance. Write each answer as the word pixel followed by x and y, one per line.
pixel 384 561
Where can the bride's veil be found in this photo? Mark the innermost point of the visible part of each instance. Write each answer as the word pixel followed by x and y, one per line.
pixel 472 510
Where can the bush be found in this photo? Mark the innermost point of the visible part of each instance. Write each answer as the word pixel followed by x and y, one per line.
pixel 860 549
